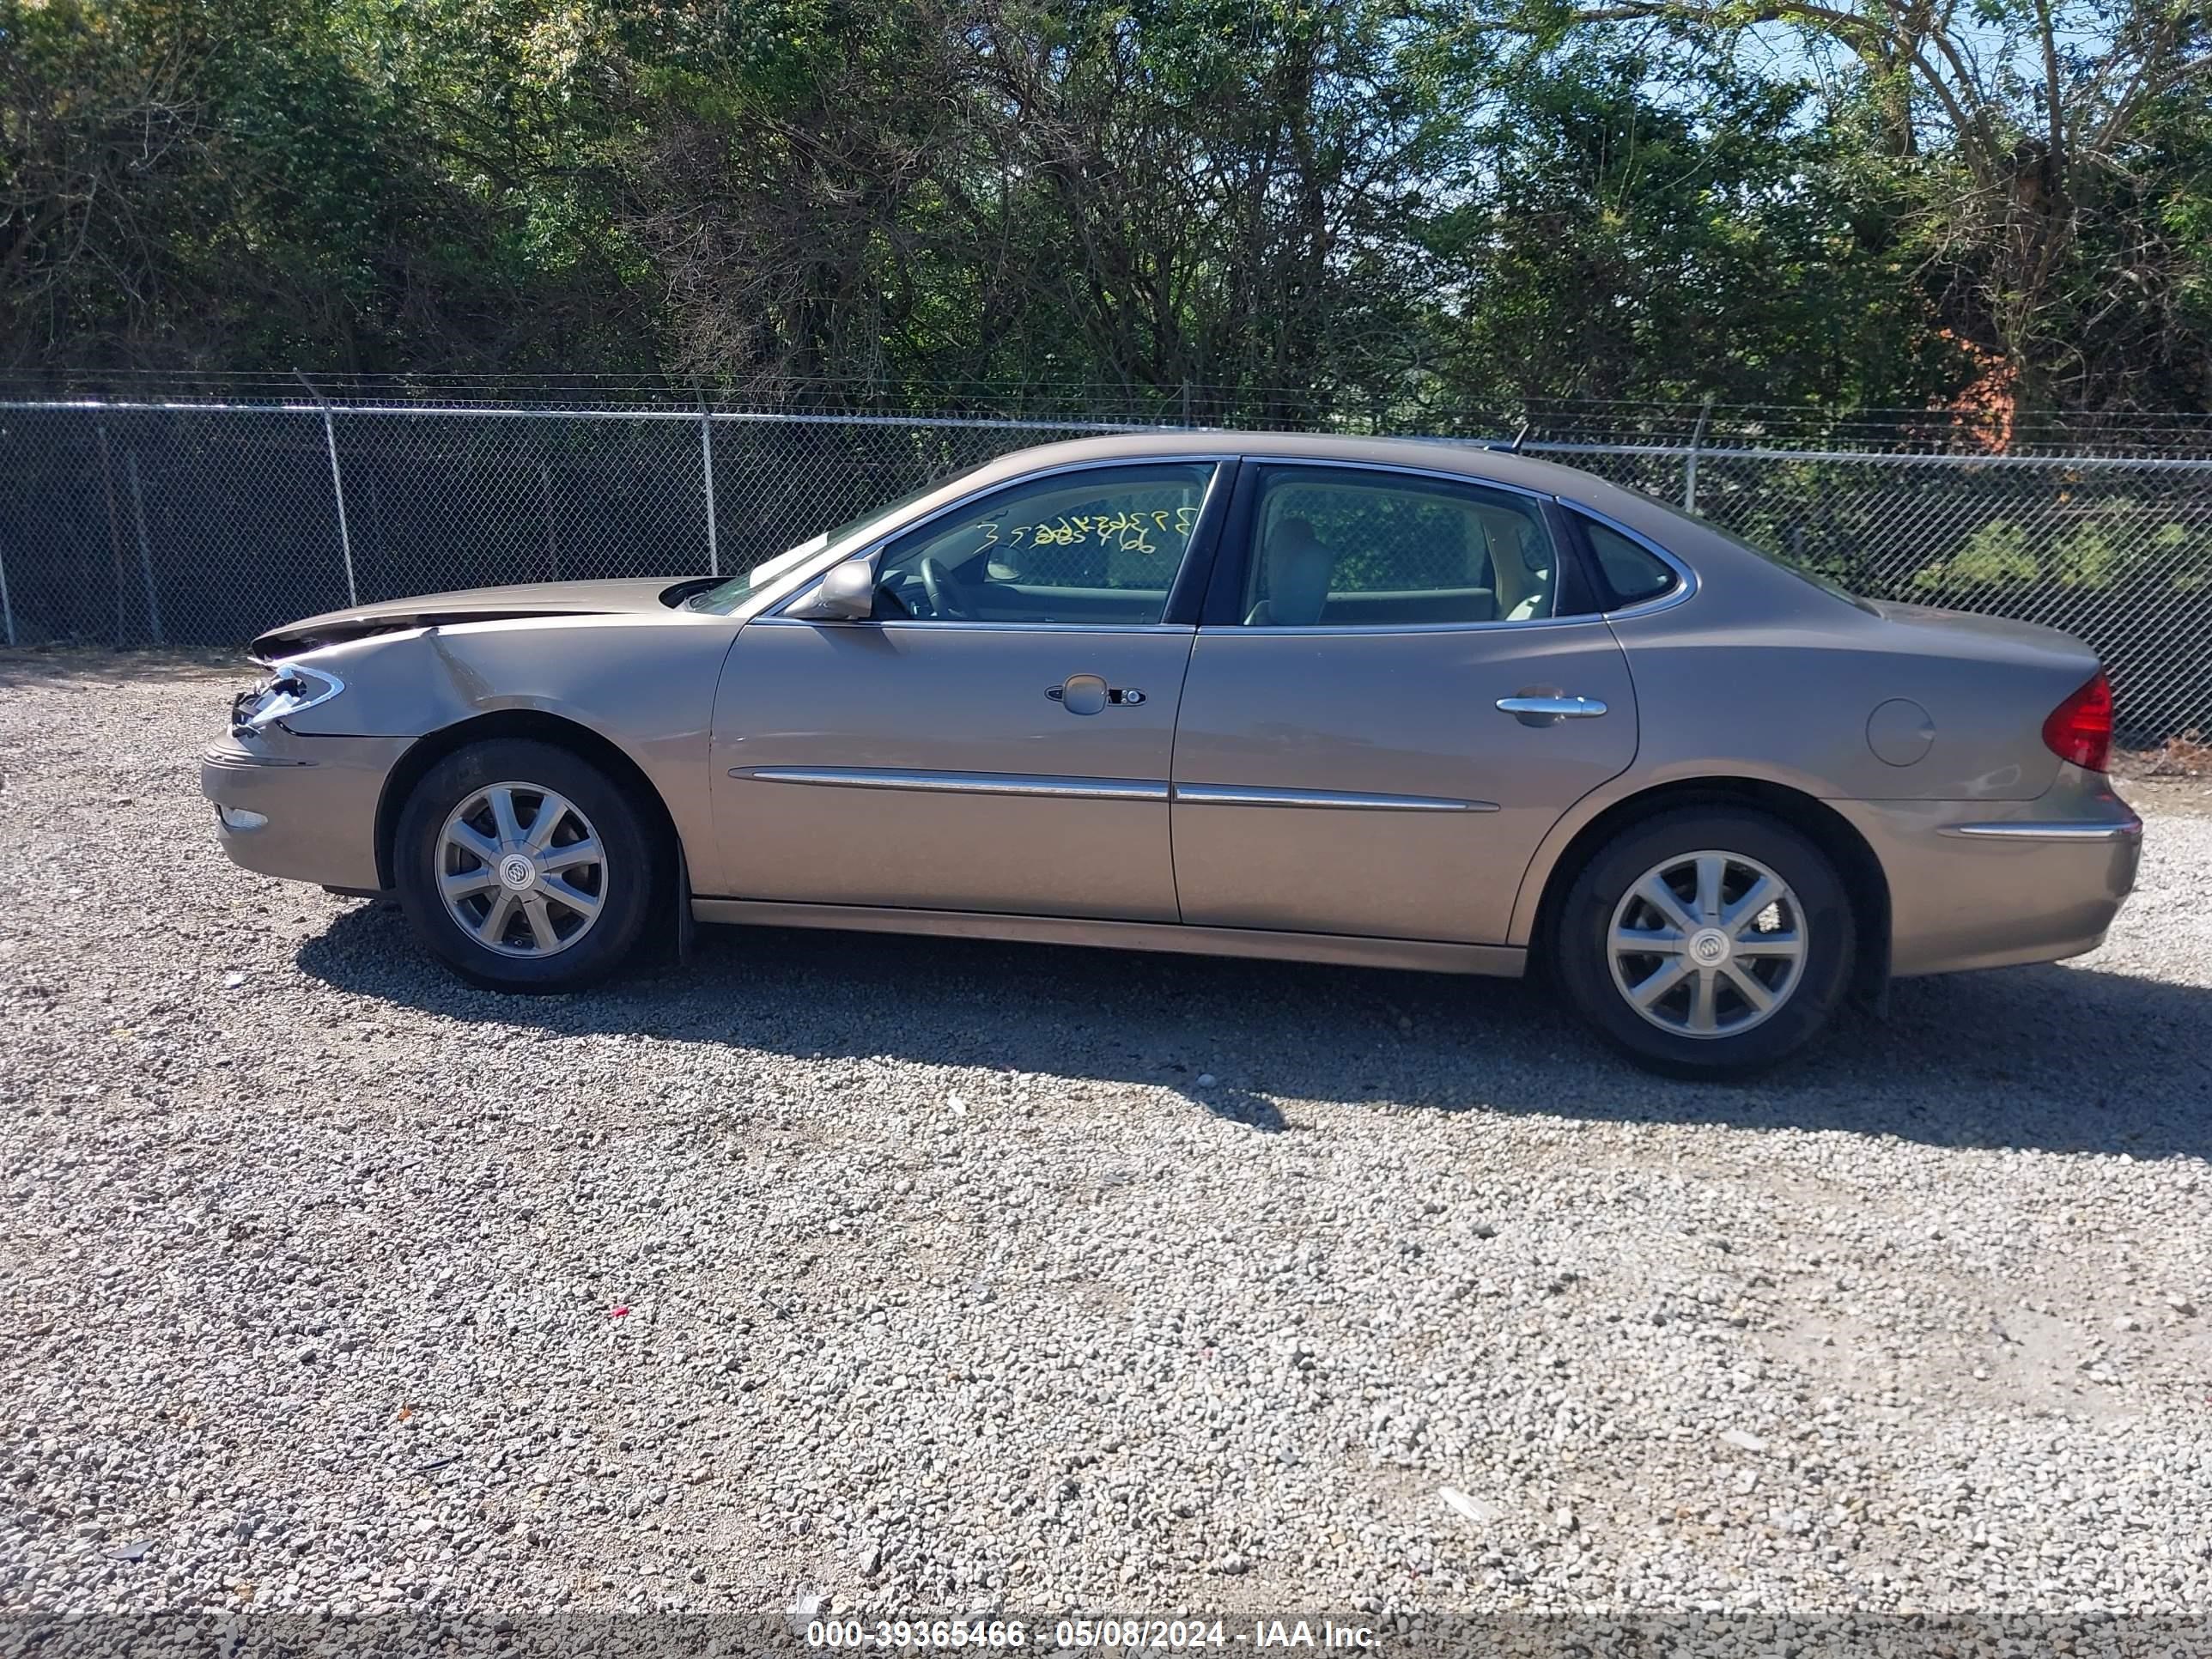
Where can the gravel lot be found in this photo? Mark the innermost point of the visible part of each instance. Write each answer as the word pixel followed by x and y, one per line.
pixel 943 1275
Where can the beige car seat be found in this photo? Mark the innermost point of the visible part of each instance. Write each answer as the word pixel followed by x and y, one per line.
pixel 1298 568
pixel 1523 591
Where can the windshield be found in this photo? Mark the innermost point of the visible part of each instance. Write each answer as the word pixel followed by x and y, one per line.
pixel 1796 566
pixel 726 596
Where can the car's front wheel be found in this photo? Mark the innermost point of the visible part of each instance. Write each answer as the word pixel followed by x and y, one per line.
pixel 1707 942
pixel 523 866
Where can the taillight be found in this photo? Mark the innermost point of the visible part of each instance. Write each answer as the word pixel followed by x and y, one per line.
pixel 2080 729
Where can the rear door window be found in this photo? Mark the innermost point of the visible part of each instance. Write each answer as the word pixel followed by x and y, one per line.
pixel 1354 547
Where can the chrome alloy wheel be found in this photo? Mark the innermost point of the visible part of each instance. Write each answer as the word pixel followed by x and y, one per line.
pixel 521 870
pixel 1707 944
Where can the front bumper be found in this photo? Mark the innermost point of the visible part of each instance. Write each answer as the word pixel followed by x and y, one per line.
pixel 303 809
pixel 1989 884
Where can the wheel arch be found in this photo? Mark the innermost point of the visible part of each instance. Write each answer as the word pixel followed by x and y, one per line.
pixel 533 724
pixel 1864 879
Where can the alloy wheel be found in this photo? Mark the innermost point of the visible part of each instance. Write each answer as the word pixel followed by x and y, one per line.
pixel 1707 944
pixel 521 870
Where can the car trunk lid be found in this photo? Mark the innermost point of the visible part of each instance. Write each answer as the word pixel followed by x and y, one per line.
pixel 1975 634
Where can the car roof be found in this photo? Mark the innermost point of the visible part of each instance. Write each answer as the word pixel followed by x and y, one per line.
pixel 1465 456
pixel 1470 458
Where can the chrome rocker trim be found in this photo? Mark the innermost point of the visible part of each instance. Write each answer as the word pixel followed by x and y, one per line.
pixel 1431 956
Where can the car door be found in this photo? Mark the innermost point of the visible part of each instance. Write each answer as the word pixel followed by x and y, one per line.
pixel 996 736
pixel 1397 690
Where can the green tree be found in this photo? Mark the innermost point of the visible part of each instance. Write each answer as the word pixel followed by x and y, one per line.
pixel 1362 211
pixel 1618 238
pixel 2032 140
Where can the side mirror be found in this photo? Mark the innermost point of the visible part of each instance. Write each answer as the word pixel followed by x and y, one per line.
pixel 846 593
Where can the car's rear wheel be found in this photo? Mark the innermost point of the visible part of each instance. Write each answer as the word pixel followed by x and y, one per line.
pixel 1707 942
pixel 523 866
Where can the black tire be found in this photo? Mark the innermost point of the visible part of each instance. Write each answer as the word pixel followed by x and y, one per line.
pixel 1582 966
pixel 626 880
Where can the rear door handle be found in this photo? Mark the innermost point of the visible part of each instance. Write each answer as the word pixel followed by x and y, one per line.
pixel 1546 711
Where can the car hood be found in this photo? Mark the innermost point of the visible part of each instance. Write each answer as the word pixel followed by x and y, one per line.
pixel 583 599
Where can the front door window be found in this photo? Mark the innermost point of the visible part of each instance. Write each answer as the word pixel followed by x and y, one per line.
pixel 1100 546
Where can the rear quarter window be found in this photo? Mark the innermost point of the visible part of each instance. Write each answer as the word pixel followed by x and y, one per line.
pixel 1633 571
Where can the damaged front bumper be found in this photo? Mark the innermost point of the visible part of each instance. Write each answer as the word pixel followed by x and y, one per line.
pixel 300 808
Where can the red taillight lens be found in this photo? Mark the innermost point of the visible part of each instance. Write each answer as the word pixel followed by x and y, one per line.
pixel 2080 729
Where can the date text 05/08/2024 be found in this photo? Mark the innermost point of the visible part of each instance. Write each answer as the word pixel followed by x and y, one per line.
pixel 1123 1635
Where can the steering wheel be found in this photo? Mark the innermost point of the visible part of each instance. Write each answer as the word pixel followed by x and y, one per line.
pixel 936 582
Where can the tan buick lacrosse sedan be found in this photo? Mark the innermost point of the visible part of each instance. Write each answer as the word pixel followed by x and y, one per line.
pixel 1393 702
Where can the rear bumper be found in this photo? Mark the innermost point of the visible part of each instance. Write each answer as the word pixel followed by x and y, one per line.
pixel 1989 884
pixel 303 809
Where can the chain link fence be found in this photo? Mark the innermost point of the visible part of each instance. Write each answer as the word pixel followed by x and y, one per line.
pixel 141 523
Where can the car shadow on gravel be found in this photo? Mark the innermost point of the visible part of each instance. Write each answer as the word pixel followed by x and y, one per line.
pixel 2057 1058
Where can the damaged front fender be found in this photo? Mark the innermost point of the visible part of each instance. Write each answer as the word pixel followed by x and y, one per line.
pixel 641 682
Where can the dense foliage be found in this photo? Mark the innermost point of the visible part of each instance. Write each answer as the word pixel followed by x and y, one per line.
pixel 1280 205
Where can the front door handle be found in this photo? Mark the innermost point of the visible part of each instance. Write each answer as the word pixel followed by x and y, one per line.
pixel 1549 710
pixel 1088 694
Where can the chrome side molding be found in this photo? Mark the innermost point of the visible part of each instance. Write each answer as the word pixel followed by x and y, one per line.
pixel 2028 830
pixel 1220 794
pixel 958 783
pixel 1066 788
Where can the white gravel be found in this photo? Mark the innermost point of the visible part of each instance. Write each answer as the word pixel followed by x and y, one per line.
pixel 924 1275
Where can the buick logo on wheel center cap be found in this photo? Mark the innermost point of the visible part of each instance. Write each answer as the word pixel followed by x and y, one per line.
pixel 516 871
pixel 1710 947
